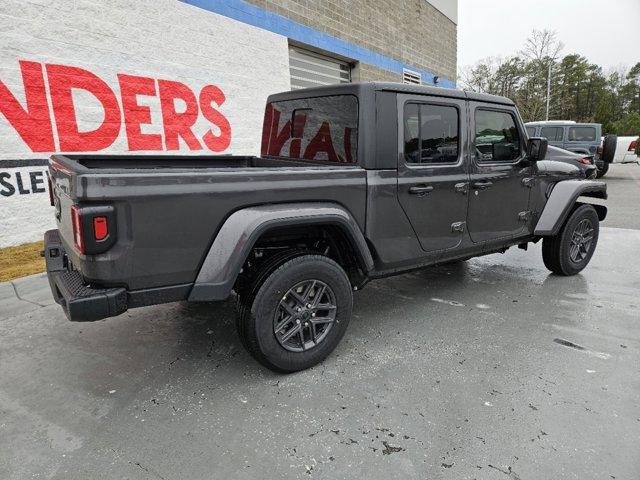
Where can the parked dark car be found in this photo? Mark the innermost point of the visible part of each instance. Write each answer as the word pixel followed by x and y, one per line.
pixel 585 163
pixel 355 182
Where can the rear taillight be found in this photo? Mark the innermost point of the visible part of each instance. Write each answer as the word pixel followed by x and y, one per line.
pixel 100 228
pixel 94 228
pixel 76 221
pixel 584 161
pixel 50 185
pixel 632 146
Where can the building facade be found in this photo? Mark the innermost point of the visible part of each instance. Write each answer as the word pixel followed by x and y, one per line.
pixel 188 77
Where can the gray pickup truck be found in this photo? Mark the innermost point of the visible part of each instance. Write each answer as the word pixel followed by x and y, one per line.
pixel 355 182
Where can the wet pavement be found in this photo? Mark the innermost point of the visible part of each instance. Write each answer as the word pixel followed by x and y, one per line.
pixel 488 369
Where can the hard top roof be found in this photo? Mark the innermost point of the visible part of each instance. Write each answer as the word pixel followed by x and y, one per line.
pixel 369 87
pixel 560 123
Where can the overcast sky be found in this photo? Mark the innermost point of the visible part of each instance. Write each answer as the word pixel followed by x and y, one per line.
pixel 607 32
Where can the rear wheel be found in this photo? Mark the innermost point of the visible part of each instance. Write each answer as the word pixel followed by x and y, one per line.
pixel 602 171
pixel 292 316
pixel 568 252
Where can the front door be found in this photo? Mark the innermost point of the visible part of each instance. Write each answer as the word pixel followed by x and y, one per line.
pixel 500 176
pixel 432 172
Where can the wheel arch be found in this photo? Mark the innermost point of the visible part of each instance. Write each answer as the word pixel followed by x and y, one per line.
pixel 246 227
pixel 563 198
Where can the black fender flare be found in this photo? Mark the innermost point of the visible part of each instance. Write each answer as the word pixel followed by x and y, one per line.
pixel 562 199
pixel 243 228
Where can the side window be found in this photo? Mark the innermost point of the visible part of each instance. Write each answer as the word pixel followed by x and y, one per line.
pixel 531 131
pixel 497 138
pixel 431 134
pixel 582 134
pixel 553 134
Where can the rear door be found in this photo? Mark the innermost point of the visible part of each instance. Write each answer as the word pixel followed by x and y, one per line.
pixel 582 139
pixel 432 172
pixel 500 178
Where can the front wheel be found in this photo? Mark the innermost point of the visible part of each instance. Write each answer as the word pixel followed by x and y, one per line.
pixel 568 252
pixel 294 316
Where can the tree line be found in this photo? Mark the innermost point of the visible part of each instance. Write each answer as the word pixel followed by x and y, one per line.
pixel 580 90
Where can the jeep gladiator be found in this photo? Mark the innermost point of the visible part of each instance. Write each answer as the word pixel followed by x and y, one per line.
pixel 354 182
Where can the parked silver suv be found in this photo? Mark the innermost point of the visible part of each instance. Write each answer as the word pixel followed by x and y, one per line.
pixel 583 138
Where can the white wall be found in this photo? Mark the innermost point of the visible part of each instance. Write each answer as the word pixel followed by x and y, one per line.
pixel 157 39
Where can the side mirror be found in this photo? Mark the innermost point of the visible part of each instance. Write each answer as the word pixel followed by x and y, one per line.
pixel 537 148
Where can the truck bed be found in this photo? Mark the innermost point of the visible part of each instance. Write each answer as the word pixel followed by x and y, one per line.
pixel 113 163
pixel 169 208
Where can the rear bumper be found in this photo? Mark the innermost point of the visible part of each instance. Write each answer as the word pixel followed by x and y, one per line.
pixel 81 303
pixel 630 158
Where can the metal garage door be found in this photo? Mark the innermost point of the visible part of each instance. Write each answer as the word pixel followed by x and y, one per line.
pixel 310 69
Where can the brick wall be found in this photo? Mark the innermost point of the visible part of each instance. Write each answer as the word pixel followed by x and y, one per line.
pixel 411 31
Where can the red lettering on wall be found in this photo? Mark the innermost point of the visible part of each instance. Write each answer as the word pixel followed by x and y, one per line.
pixel 266 129
pixel 278 139
pixel 135 114
pixel 297 129
pixel 62 80
pixel 33 124
pixel 347 144
pixel 179 106
pixel 322 142
pixel 178 124
pixel 208 95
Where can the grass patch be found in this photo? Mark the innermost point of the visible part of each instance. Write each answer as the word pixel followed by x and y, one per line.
pixel 20 261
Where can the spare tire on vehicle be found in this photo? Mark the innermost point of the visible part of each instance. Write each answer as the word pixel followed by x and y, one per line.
pixel 609 148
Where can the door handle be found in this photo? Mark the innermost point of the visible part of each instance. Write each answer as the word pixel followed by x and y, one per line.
pixel 482 185
pixel 461 187
pixel 421 190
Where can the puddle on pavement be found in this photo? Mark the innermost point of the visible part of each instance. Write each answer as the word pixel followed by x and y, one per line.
pixel 567 343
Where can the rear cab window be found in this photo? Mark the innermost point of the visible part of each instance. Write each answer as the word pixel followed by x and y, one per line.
pixel 497 138
pixel 320 129
pixel 582 134
pixel 431 134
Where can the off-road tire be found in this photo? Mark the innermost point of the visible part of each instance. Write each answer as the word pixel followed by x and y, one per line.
pixel 258 303
pixel 247 286
pixel 601 172
pixel 557 250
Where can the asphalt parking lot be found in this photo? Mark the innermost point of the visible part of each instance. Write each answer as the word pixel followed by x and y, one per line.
pixel 490 369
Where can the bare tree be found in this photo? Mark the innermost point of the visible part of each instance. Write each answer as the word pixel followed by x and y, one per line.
pixel 543 46
pixel 479 77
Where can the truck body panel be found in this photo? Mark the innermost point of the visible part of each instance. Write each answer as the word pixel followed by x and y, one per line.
pixel 168 216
